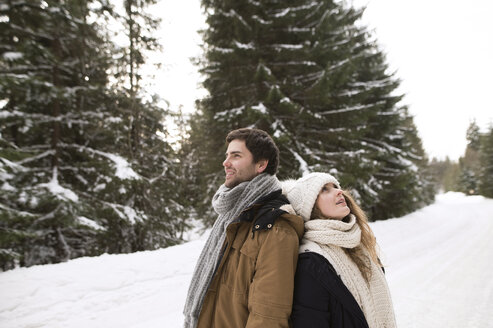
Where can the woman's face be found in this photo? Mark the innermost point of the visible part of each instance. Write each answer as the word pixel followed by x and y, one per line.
pixel 332 203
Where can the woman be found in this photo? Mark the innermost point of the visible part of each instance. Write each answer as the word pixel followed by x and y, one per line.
pixel 339 279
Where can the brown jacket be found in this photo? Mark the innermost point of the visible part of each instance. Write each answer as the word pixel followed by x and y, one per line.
pixel 253 284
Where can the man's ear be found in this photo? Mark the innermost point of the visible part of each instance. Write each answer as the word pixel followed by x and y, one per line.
pixel 261 165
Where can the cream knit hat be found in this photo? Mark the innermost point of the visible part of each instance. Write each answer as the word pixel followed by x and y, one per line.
pixel 303 193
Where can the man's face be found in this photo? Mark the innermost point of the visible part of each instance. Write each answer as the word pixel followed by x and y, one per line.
pixel 239 165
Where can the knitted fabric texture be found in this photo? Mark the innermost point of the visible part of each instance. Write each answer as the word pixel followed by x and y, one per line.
pixel 328 238
pixel 303 193
pixel 228 203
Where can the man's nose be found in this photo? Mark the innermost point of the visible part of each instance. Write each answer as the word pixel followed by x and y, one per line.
pixel 226 162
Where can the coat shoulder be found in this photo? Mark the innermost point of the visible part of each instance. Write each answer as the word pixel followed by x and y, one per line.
pixel 275 210
pixel 313 266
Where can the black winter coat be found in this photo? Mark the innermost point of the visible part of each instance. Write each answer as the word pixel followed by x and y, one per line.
pixel 321 300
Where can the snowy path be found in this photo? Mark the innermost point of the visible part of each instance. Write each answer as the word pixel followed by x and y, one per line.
pixel 438 261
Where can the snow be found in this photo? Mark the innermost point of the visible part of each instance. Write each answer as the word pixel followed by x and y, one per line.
pixel 223 50
pixel 114 119
pixel 99 187
pixel 90 223
pixel 56 189
pixel 14 166
pixel 284 12
pixel 10 55
pixel 131 214
pixel 303 168
pixel 229 112
pixel 37 157
pixel 260 20
pixel 260 108
pixel 296 63
pixel 127 213
pixel 7 186
pixel 438 265
pixel 123 169
pixel 232 13
pixel 244 45
pixel 353 108
pixel 279 46
pixel 300 29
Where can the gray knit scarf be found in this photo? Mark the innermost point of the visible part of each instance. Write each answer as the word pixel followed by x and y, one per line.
pixel 228 203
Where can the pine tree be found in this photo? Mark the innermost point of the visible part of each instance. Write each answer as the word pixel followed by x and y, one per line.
pixel 77 177
pixel 486 173
pixel 445 174
pixel 473 136
pixel 308 74
pixel 159 193
pixel 53 97
pixel 469 164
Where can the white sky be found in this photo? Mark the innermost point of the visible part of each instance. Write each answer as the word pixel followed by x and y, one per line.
pixel 442 50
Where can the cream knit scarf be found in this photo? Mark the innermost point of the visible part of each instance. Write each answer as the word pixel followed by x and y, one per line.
pixel 228 204
pixel 328 238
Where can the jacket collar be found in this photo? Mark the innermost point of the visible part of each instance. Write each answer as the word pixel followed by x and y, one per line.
pixel 265 210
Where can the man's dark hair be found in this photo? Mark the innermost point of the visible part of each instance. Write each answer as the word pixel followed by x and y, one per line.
pixel 260 144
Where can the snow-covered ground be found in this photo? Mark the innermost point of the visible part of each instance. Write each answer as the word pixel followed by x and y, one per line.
pixel 439 265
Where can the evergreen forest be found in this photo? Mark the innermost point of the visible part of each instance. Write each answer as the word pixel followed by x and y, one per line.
pixel 87 162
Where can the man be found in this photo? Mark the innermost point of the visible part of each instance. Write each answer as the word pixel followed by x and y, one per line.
pixel 245 273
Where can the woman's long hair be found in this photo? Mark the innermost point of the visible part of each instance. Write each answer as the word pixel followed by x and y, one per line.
pixel 368 240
